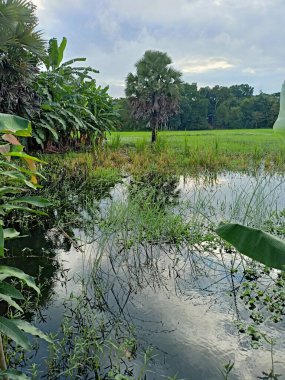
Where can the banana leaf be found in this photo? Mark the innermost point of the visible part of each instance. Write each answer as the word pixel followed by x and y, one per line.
pixel 255 244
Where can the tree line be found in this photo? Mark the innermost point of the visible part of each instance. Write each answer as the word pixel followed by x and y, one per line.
pixel 219 107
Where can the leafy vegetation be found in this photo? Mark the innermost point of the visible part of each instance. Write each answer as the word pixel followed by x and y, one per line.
pixel 74 111
pixel 15 180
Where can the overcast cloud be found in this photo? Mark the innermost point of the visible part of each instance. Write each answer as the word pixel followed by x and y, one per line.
pixel 211 41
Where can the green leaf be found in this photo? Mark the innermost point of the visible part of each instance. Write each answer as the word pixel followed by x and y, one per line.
pixel 10 233
pixel 10 291
pixel 10 207
pixel 254 243
pixel 13 374
pixel 30 329
pixel 35 201
pixel 11 302
pixel 10 190
pixel 24 155
pixel 15 125
pixel 61 49
pixel 8 328
pixel 6 272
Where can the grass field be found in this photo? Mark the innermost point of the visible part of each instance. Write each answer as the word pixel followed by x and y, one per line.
pixel 190 152
pixel 239 140
pixel 194 151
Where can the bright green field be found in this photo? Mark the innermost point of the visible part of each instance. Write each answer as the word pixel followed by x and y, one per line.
pixel 211 150
pixel 239 141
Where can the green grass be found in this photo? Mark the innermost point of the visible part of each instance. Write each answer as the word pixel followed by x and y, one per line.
pixel 179 152
pixel 238 140
pixel 196 151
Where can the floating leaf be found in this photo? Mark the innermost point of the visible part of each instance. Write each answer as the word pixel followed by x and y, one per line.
pixel 254 243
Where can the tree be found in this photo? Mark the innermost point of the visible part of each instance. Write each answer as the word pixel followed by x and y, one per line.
pixel 153 92
pixel 20 47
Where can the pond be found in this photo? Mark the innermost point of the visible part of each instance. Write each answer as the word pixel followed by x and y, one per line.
pixel 157 278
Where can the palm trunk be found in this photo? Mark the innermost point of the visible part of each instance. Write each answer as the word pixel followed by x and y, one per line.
pixel 153 133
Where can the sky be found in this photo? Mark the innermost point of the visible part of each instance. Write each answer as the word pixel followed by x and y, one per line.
pixel 211 42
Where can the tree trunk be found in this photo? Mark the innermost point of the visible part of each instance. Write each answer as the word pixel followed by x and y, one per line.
pixel 153 134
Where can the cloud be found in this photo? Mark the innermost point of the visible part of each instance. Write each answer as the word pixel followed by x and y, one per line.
pixel 211 41
pixel 203 66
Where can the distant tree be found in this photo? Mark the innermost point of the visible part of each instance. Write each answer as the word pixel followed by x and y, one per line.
pixel 215 96
pixel 241 91
pixel 153 92
pixel 193 109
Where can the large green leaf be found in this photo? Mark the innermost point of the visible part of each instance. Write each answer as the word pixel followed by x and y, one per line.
pixel 6 272
pixel 61 49
pixel 254 243
pixel 24 156
pixel 15 125
pixel 8 328
pixel 30 329
pixel 35 201
pixel 10 291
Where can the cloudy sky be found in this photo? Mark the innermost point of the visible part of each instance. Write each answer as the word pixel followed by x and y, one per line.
pixel 212 42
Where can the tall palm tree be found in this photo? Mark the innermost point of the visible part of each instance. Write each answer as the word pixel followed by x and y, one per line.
pixel 21 46
pixel 153 92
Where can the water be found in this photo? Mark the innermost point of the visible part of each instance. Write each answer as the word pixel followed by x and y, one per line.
pixel 176 298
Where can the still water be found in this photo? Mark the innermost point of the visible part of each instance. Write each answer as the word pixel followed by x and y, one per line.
pixel 176 298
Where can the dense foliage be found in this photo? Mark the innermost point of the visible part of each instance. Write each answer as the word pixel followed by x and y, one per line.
pixel 63 102
pixel 74 110
pixel 20 48
pixel 219 107
pixel 153 92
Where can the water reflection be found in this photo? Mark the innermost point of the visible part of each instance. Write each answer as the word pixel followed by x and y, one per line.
pixel 180 296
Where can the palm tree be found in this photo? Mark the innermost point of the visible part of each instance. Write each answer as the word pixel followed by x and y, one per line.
pixel 21 47
pixel 153 92
pixel 17 28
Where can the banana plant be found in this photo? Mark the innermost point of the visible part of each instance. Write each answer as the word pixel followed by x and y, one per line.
pixel 255 244
pixel 74 110
pixel 15 180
